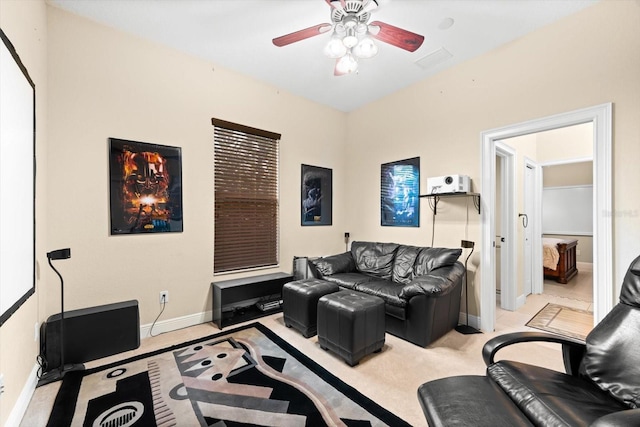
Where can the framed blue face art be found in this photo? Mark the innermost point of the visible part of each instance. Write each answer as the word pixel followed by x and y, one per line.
pixel 400 193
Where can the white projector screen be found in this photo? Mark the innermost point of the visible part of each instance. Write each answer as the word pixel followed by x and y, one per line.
pixel 17 181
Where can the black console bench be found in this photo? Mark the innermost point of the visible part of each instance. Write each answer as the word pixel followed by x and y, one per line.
pixel 229 294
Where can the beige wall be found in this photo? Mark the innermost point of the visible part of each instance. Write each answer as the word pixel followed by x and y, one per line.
pixel 24 23
pixel 563 175
pixel 565 143
pixel 584 60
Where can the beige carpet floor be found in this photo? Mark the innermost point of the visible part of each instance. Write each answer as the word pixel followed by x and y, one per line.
pixel 390 378
pixel 579 288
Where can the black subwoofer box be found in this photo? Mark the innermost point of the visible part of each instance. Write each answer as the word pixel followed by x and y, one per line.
pixel 91 333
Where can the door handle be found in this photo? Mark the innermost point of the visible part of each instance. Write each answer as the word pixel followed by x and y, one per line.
pixel 525 220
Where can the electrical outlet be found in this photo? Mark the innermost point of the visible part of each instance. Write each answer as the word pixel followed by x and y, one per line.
pixel 1 384
pixel 164 297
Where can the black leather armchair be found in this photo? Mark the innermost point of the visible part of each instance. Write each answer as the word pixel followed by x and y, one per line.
pixel 601 386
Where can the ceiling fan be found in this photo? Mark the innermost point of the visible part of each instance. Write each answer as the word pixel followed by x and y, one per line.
pixel 352 34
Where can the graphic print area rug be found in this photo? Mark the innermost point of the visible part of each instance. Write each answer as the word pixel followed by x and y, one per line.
pixel 242 377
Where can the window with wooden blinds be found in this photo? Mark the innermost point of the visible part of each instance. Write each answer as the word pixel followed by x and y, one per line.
pixel 246 197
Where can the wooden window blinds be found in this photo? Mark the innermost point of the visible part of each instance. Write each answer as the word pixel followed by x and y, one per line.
pixel 246 197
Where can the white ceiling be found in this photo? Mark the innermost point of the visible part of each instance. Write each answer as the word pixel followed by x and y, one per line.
pixel 237 34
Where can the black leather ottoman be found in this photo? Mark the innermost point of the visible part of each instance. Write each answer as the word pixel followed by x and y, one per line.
pixel 445 402
pixel 351 324
pixel 300 303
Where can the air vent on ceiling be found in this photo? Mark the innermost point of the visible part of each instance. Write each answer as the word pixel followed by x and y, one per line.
pixel 434 58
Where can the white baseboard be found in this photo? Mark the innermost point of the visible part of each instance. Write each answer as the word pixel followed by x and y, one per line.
pixel 520 301
pixel 175 323
pixel 474 321
pixel 20 408
pixel 584 266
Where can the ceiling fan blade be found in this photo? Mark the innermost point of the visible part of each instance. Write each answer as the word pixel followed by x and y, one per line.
pixel 301 35
pixel 396 36
pixel 336 4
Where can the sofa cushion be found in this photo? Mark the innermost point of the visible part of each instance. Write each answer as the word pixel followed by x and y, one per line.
pixel 349 280
pixel 375 259
pixel 399 313
pixel 385 289
pixel 403 263
pixel 552 398
pixel 430 259
pixel 334 264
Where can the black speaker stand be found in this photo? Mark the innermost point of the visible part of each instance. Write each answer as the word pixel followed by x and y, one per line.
pixel 59 373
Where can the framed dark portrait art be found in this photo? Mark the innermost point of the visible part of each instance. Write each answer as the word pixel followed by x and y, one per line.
pixel 315 204
pixel 145 187
pixel 400 193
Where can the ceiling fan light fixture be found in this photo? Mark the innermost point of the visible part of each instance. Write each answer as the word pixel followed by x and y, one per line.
pixel 335 48
pixel 352 34
pixel 347 64
pixel 350 40
pixel 366 48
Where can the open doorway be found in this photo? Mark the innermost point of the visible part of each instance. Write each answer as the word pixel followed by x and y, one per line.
pixel 561 210
pixel 600 117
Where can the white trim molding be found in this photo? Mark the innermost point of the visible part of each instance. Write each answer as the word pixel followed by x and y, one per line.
pixel 601 118
pixel 20 408
pixel 175 324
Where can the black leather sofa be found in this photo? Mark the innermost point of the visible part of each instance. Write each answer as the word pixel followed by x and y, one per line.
pixel 601 386
pixel 421 286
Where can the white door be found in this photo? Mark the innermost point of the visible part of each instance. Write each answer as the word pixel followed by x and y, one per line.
pixel 498 245
pixel 506 217
pixel 529 203
pixel 501 239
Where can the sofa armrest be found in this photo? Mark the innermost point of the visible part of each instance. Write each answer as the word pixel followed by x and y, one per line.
pixel 629 417
pixel 572 350
pixel 439 282
pixel 334 264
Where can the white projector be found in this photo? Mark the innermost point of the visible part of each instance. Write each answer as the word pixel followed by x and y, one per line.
pixel 449 184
